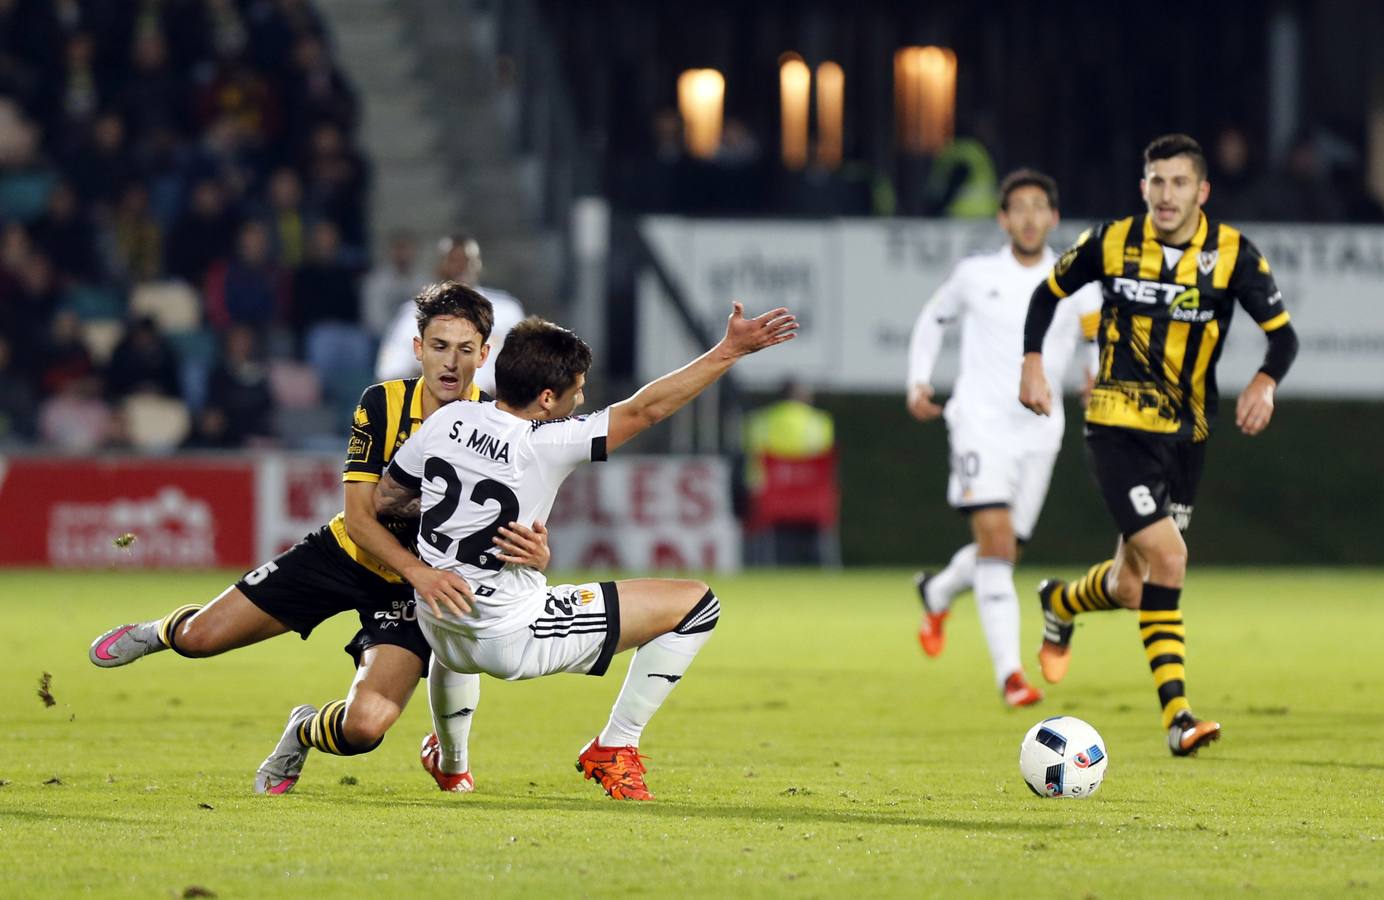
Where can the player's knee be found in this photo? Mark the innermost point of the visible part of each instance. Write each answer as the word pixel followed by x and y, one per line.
pixel 703 613
pixel 367 724
pixel 1168 563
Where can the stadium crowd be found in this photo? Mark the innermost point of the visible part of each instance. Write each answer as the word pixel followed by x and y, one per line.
pixel 183 225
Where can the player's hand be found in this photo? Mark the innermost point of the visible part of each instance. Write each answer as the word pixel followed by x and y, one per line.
pixel 441 590
pixel 745 336
pixel 1034 392
pixel 920 404
pixel 1254 409
pixel 1087 386
pixel 524 546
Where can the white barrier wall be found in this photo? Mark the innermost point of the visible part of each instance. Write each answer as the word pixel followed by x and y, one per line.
pixel 857 285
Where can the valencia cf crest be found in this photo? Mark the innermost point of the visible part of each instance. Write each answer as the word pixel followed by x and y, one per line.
pixel 1206 262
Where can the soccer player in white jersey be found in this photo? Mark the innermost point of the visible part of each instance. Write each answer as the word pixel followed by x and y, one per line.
pixel 503 462
pixel 1001 456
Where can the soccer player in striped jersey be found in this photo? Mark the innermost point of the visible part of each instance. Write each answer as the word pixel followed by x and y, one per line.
pixel 1171 279
pixel 356 562
pixel 1001 456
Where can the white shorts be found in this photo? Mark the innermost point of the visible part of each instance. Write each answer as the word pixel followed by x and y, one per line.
pixel 572 628
pixel 990 468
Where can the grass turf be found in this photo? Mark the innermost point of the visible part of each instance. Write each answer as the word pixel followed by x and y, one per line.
pixel 812 751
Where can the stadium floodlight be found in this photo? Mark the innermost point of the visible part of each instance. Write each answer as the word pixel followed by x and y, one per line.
pixel 701 101
pixel 924 99
pixel 831 103
pixel 795 90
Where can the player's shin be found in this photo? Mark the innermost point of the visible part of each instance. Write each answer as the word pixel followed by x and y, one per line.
pixel 656 668
pixel 1165 637
pixel 998 606
pixel 452 698
pixel 958 576
pixel 169 625
pixel 1089 593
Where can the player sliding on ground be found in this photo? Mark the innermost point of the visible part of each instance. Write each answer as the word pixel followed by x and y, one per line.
pixel 475 466
pixel 1171 278
pixel 356 562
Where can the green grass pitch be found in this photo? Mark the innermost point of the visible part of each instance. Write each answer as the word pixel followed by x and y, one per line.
pixel 812 751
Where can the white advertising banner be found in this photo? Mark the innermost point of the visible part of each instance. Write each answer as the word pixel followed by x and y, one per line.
pixel 645 514
pixel 861 282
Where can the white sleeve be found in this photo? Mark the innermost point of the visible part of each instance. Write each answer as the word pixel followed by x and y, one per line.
pixel 406 466
pixel 926 340
pixel 396 359
pixel 563 444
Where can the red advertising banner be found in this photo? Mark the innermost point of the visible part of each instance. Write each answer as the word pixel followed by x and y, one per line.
pixel 183 513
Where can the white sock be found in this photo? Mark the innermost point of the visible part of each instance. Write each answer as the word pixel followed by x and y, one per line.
pixel 958 576
pixel 998 606
pixel 656 668
pixel 452 699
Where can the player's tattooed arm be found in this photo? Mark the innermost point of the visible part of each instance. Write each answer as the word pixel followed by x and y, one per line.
pixel 393 499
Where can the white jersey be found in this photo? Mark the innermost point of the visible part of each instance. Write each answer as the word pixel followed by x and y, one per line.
pixel 988 294
pixel 478 469
pixel 396 359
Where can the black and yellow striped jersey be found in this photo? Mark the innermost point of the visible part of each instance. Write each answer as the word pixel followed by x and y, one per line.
pixel 388 413
pixel 1164 319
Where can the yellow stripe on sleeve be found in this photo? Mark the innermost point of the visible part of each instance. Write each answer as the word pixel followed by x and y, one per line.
pixel 1275 323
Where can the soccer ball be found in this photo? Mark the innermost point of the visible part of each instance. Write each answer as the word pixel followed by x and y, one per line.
pixel 1062 757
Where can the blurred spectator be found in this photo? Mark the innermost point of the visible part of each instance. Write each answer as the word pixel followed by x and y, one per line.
pixel 75 94
pixel 249 289
pixel 325 289
pixel 39 297
pixel 962 182
pixel 136 238
pixel 239 404
pixel 203 235
pixel 337 182
pixel 287 217
pixel 103 165
pixel 66 236
pixel 316 90
pixel 17 409
pixel 75 420
pixel 392 283
pixel 237 92
pixel 1300 190
pixel 65 357
pixel 1232 176
pixel 152 96
pixel 143 361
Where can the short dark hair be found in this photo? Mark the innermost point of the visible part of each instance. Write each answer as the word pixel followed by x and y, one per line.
pixel 1027 178
pixel 1170 145
pixel 452 298
pixel 538 355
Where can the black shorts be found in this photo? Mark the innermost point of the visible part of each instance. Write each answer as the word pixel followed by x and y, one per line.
pixel 1143 477
pixel 315 579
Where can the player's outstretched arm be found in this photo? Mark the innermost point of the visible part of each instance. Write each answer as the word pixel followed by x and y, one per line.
pixel 659 399
pixel 366 504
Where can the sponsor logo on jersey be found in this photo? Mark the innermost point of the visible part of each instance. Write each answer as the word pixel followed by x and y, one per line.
pixel 362 418
pixel 358 447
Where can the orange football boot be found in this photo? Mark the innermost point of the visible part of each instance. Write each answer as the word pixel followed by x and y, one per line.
pixel 620 770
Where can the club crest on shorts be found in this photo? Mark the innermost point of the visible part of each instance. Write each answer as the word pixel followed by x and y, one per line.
pixel 584 596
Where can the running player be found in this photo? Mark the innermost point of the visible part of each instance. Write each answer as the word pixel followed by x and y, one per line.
pixel 1170 278
pixel 1001 455
pixel 354 562
pixel 478 465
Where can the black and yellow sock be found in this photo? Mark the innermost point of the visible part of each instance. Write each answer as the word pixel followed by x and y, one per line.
pixel 168 626
pixel 1165 644
pixel 324 731
pixel 1087 594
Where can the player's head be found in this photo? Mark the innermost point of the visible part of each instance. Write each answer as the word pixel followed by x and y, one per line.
pixel 454 323
pixel 1174 183
pixel 459 259
pixel 1028 209
pixel 542 367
